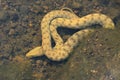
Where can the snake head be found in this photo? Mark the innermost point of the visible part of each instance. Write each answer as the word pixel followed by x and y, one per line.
pixel 37 51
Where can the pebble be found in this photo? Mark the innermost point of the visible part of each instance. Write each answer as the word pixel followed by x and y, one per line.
pixel 11 32
pixel 38 61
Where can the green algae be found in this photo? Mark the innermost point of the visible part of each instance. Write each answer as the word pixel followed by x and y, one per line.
pixel 16 70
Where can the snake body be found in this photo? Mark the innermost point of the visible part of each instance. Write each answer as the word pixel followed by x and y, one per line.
pixel 62 18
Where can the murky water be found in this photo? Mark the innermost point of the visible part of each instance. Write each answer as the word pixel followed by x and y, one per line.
pixel 97 57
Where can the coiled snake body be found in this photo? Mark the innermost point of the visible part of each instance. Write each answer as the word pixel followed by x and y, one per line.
pixel 62 18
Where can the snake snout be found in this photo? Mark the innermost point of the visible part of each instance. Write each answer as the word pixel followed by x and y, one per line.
pixel 37 51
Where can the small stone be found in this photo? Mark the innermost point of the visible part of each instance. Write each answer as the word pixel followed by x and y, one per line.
pixel 76 5
pixel 37 2
pixel 38 61
pixel 30 24
pixel 38 75
pixel 11 32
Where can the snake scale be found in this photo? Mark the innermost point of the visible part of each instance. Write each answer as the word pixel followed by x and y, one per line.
pixel 63 18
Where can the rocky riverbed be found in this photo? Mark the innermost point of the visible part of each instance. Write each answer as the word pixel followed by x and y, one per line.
pixel 97 57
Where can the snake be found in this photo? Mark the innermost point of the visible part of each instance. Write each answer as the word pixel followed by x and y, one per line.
pixel 62 18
